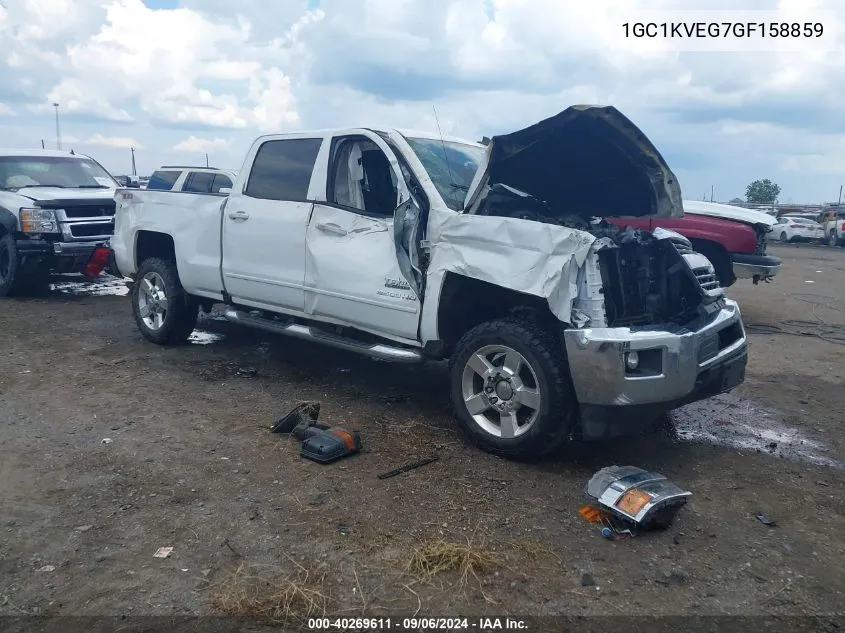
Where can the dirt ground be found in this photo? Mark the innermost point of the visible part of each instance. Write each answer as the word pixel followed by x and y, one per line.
pixel 111 447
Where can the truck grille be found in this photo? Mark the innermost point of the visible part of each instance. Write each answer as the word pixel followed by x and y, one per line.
pixel 99 211
pixel 706 277
pixel 91 230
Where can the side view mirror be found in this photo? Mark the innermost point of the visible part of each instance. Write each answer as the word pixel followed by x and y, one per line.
pixel 225 190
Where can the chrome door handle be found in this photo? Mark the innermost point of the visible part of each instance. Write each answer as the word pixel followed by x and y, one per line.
pixel 331 227
pixel 238 215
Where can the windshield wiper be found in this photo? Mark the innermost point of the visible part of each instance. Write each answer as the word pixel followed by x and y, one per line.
pixel 28 186
pixel 92 187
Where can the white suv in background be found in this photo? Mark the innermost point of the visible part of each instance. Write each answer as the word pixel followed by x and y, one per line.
pixel 192 179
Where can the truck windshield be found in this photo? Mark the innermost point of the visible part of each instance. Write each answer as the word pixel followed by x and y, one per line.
pixel 71 172
pixel 450 165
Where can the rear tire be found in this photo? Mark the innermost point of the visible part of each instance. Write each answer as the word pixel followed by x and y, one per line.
pixel 537 401
pixel 164 312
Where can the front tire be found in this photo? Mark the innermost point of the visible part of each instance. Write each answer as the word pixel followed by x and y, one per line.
pixel 17 280
pixel 783 237
pixel 511 389
pixel 164 312
pixel 8 264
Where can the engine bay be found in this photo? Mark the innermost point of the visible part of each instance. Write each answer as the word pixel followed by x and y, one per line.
pixel 645 280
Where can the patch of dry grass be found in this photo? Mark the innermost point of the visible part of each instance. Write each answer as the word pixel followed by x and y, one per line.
pixel 292 599
pixel 434 556
pixel 534 549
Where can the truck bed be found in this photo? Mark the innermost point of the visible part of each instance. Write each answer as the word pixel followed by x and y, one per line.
pixel 192 220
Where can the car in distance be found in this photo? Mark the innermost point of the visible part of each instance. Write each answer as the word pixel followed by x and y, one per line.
pixel 797 229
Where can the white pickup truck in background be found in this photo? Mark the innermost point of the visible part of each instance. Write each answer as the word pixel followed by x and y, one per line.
pixel 834 227
pixel 408 246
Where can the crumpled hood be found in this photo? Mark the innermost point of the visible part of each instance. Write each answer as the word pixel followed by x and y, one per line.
pixel 589 161
pixel 49 194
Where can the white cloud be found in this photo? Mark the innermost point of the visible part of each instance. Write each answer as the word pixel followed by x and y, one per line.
pixel 192 144
pixel 6 110
pixel 121 70
pixel 119 142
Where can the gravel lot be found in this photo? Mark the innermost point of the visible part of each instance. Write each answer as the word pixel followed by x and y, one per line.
pixel 111 447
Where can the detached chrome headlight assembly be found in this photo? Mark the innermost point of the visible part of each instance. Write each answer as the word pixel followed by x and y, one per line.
pixel 34 221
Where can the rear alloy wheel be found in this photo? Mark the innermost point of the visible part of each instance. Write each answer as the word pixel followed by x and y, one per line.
pixel 163 311
pixel 511 389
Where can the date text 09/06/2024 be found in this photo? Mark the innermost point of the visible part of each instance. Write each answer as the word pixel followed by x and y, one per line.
pixel 416 624
pixel 775 30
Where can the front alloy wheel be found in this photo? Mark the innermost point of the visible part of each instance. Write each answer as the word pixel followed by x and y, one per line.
pixel 501 391
pixel 510 387
pixel 783 237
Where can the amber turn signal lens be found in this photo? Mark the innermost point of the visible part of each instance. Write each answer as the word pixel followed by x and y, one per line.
pixel 633 501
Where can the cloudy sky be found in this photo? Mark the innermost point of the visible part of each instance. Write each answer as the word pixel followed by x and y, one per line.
pixel 179 78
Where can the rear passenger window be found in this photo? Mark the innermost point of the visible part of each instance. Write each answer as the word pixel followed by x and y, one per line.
pixel 220 182
pixel 198 182
pixel 163 179
pixel 282 169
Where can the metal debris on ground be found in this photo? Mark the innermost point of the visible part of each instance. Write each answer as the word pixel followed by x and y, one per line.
pixel 163 552
pixel 409 466
pixel 762 518
pixel 106 440
pixel 47 568
pixel 639 498
pixel 247 372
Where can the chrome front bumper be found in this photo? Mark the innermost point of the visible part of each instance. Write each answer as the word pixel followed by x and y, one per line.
pixel 676 366
pixel 751 266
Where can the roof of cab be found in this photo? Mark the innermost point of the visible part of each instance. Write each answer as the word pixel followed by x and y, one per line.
pixel 434 136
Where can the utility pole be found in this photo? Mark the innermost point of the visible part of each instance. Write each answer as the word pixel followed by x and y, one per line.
pixel 134 173
pixel 42 143
pixel 711 193
pixel 840 196
pixel 206 160
pixel 58 130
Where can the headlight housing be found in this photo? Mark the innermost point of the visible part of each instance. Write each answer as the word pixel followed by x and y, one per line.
pixel 35 221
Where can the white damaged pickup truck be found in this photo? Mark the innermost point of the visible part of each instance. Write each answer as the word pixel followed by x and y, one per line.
pixel 408 246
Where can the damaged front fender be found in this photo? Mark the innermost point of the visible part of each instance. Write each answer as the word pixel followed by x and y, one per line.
pixel 529 257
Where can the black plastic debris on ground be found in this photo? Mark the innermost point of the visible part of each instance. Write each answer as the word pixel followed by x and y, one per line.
pixel 307 412
pixel 762 518
pixel 320 442
pixel 247 372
